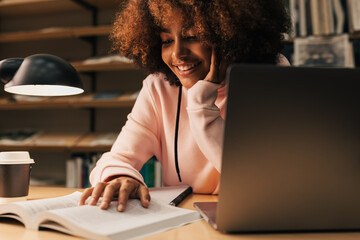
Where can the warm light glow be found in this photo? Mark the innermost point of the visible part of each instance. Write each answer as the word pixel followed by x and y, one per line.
pixel 44 90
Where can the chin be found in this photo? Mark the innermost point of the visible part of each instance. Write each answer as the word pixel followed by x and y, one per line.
pixel 188 83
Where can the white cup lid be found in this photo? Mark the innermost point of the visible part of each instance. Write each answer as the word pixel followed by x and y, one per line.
pixel 18 157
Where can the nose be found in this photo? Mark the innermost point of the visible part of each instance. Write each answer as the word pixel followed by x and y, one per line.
pixel 180 49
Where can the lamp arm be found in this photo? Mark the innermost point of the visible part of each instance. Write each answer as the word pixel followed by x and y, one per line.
pixel 8 68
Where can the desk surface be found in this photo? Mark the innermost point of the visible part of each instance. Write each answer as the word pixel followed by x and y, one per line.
pixel 199 230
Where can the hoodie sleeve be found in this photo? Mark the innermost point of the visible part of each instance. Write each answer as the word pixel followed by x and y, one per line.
pixel 206 123
pixel 137 142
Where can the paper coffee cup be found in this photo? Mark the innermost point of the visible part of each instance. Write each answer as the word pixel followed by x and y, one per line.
pixel 14 176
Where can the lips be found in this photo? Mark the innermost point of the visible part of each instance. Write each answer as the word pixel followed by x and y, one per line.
pixel 185 69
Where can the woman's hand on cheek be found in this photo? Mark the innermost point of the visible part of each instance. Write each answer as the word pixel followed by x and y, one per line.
pixel 122 188
pixel 217 71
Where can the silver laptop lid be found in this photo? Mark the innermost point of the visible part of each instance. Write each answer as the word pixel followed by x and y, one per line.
pixel 291 156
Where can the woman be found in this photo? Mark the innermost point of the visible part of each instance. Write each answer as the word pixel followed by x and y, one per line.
pixel 186 46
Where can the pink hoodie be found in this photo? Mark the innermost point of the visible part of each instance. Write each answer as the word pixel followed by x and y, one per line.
pixel 150 131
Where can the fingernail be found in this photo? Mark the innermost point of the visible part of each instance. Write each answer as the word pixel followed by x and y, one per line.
pixel 121 207
pixel 103 205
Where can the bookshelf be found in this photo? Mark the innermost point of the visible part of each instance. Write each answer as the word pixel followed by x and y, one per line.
pixel 324 28
pixel 76 30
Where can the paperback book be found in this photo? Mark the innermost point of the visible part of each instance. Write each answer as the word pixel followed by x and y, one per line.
pixel 64 215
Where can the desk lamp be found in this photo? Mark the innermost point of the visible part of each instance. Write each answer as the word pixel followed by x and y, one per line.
pixel 40 75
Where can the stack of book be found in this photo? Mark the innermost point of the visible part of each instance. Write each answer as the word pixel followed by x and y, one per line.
pixel 324 51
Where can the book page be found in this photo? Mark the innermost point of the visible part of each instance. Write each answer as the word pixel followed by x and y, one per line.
pixel 92 222
pixel 26 211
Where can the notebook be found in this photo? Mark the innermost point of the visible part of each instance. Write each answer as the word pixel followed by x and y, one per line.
pixel 291 155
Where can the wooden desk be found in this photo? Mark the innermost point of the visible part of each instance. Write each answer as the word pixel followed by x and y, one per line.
pixel 10 229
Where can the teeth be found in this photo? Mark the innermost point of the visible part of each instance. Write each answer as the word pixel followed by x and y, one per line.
pixel 185 68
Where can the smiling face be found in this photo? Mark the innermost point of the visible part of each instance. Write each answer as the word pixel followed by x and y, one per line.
pixel 183 53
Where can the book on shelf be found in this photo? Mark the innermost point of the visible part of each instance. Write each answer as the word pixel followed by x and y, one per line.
pixel 151 173
pixel 339 11
pixel 78 168
pixel 322 16
pixel 293 13
pixel 303 31
pixel 324 51
pixel 317 17
pixel 64 215
pixel 354 15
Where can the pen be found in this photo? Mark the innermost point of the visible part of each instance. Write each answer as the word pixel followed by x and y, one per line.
pixel 176 201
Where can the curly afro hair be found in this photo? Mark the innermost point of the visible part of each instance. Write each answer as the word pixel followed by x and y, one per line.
pixel 245 31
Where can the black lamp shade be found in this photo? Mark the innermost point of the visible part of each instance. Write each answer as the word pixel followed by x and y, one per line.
pixel 40 75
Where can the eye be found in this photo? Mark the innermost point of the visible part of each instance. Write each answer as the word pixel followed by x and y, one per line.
pixel 166 42
pixel 191 38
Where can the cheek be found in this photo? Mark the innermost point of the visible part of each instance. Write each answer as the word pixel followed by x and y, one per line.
pixel 165 56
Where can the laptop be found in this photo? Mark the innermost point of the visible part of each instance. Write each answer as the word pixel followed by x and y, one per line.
pixel 291 154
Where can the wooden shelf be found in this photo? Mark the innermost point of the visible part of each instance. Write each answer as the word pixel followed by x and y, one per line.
pixel 55 141
pixel 72 142
pixel 46 141
pixel 55 33
pixel 95 142
pixel 32 7
pixel 111 66
pixel 355 36
pixel 22 7
pixel 87 101
pixel 352 36
pixel 81 101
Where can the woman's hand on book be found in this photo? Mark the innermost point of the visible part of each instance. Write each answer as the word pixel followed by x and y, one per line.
pixel 122 188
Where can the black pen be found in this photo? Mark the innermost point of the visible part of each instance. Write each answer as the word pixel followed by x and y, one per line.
pixel 176 201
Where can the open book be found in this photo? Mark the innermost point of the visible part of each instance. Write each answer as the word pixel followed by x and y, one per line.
pixel 63 214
